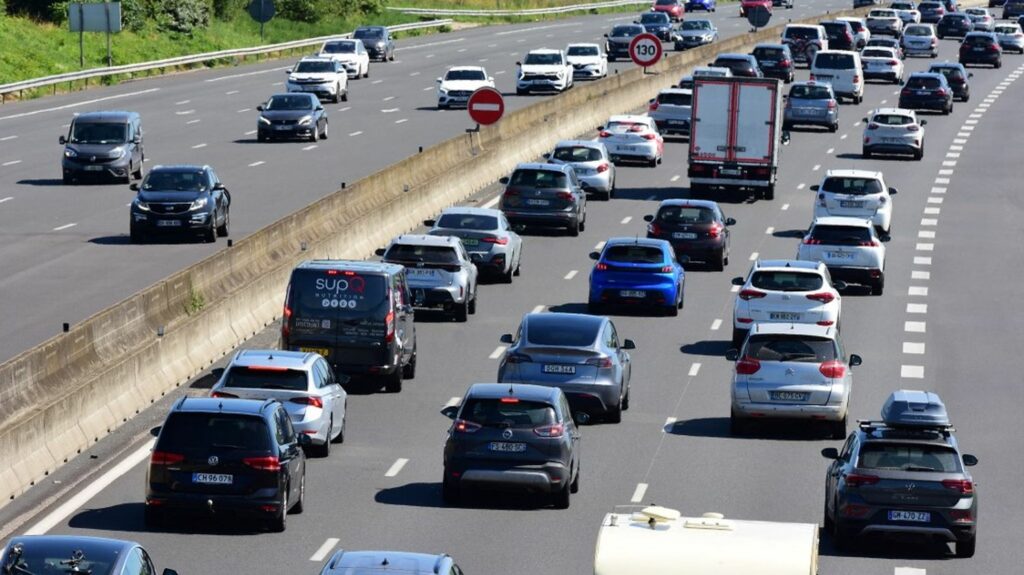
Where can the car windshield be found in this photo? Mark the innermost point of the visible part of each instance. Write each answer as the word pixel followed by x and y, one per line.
pixel 877 53
pixel 339 48
pixel 696 25
pixel 841 235
pixel 734 64
pixel 675 98
pixel 577 154
pixel 413 253
pixel 1007 29
pixel 583 51
pixel 99 133
pixel 625 127
pixel 855 186
pixel 467 222
pixel 369 33
pixel 625 31
pixel 685 215
pixel 313 292
pixel 923 83
pixel 799 348
pixel 200 431
pixel 539 179
pixel 801 33
pixel 764 53
pixel 465 75
pixel 786 281
pixel 908 457
pixel 891 120
pixel 39 556
pixel 902 6
pixel 654 18
pixel 314 67
pixel 633 254
pixel 507 412
pixel 266 377
pixel 805 92
pixel 834 61
pixel 550 330
pixel 666 2
pixel 543 59
pixel 166 180
pixel 918 31
pixel 289 102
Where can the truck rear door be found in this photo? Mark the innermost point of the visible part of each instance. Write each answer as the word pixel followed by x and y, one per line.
pixel 753 136
pixel 709 128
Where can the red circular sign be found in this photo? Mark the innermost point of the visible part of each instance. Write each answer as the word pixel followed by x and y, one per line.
pixel 645 49
pixel 486 106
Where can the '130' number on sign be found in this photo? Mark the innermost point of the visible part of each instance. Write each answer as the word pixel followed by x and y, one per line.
pixel 646 50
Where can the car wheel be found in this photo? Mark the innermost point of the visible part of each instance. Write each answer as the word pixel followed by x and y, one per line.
pixel 769 192
pixel 393 384
pixel 574 487
pixel 520 92
pixel 210 235
pixel 506 277
pixel 841 536
pixel 865 152
pixel 738 335
pixel 625 400
pixel 966 97
pixel 323 451
pixel 300 505
pixel 574 229
pixel 316 133
pixel 67 180
pixel 614 414
pixel 672 310
pixel 878 286
pixel 450 493
pixel 462 312
pixel 834 128
pixel 998 65
pixel 947 110
pixel 837 429
pixel 222 230
pixel 594 308
pixel 919 153
pixel 519 264
pixel 323 135
pixel 340 438
pixel 718 264
pixel 409 370
pixel 344 95
pixel 261 137
pixel 366 71
pixel 826 519
pixel 134 236
pixel 472 303
pixel 562 497
pixel 965 547
pixel 137 174
pixel 279 523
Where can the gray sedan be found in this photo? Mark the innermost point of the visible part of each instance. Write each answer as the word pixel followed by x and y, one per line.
pixel 487 237
pixel 580 354
pixel 810 103
pixel 694 33
pixel 592 164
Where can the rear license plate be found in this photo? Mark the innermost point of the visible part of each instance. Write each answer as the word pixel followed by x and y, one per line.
pixel 838 256
pixel 632 293
pixel 506 447
pixel 168 223
pixel 684 236
pixel 469 242
pixel 320 350
pixel 677 122
pixel 789 395
pixel 563 369
pixel 726 172
pixel 858 204
pixel 535 202
pixel 886 141
pixel 625 148
pixel 916 516
pixel 94 168
pixel 784 316
pixel 584 172
pixel 979 49
pixel 420 272
pixel 922 92
pixel 820 77
pixel 770 63
pixel 212 478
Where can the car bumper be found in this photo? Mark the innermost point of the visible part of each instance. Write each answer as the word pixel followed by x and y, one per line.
pixel 538 478
pixel 660 295
pixel 892 148
pixel 879 218
pixel 923 104
pixel 264 503
pixel 318 429
pixel 673 127
pixel 789 410
pixel 633 151
pixel 377 53
pixel 597 182
pixel 116 168
pixel 438 297
pixel 824 118
pixel 889 75
pixel 321 90
pixel 283 132
pixel 783 74
pixel 369 358
pixel 885 30
pixel 920 50
pixel 987 58
pixel 700 250
pixel 491 262
pixel 687 43
pixel 1012 44
pixel 170 223
pixel 542 85
pixel 862 276
pixel 588 73
pixel 548 219
pixel 876 522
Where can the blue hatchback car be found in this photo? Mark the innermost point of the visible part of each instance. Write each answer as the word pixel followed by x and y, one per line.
pixel 705 5
pixel 638 272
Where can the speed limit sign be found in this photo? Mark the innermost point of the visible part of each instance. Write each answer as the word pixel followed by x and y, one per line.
pixel 645 49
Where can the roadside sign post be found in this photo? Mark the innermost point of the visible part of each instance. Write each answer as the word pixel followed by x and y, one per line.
pixel 758 17
pixel 94 17
pixel 261 11
pixel 645 50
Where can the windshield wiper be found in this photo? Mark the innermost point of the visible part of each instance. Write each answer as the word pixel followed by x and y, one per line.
pixel 795 356
pixel 918 468
pixel 227 446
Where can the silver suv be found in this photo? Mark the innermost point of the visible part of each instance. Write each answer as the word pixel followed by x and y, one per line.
pixel 441 274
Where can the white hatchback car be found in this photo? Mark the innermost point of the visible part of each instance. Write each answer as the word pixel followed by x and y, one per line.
pixel 633 137
pixel 459 83
pixel 893 131
pixel 920 39
pixel 907 12
pixel 855 194
pixel 849 247
pixel 588 61
pixel 882 64
pixel 351 53
pixel 785 291
pixel 591 162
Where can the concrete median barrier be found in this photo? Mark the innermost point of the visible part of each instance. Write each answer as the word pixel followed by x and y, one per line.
pixel 62 396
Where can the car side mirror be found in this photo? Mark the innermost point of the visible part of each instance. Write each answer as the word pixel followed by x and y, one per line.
pixel 136 140
pixel 628 344
pixel 305 440
pixel 505 338
pixel 518 63
pixel 134 186
pixel 738 281
pixel 380 251
pixel 830 453
pixel 786 137
pixel 732 354
pixel 259 108
pixel 547 156
pixel 924 122
pixel 429 223
pixel 970 460
pixel 450 411
pixel 649 218
pixel 319 108
pixel 287 72
pixel 594 256
pixel 884 237
pixel 503 180
pixel 865 119
pixel 605 35
pixel 815 188
pixel 155 431
pixel 219 186
pixel 490 79
pixel 893 191
pixel 839 285
pixel 730 221
pixel 439 80
pixel 855 360
pixel 63 140
pixel 970 74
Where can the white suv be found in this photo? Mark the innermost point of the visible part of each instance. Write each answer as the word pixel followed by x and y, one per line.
pixel 785 291
pixel 544 70
pixel 352 55
pixel 459 83
pixel 855 194
pixel 893 131
pixel 849 247
pixel 321 76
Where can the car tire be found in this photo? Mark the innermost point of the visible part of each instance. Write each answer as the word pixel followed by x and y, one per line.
pixel 574 230
pixel 826 520
pixel 769 192
pixel 315 136
pixel 137 174
pixel 261 137
pixel 344 95
pixel 300 505
pixel 842 538
pixel 409 369
pixel 562 498
pixel 366 72
pixel 393 383
pixel 738 335
pixel 947 110
pixel 224 229
pixel 519 264
pixel 965 547
pixel 967 97
pixel 210 234
pixel 614 414
pixel 323 135
pixel 919 153
pixel 837 429
pixel 135 236
pixel 878 287
pixel 506 278
pixel 450 492
pixel 472 303
pixel 834 128
pixel 672 310
pixel 866 153
pixel 594 308
pixel 574 487
pixel 462 312
pixel 67 180
pixel 340 438
pixel 718 263
pixel 279 523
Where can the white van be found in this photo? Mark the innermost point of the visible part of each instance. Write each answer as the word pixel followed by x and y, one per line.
pixel 655 539
pixel 843 70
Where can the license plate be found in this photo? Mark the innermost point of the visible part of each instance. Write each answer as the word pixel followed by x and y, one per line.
pixel 979 49
pixel 677 122
pixel 807 112
pixel 632 293
pixel 856 204
pixel 838 256
pixel 421 272
pixel 625 148
pixel 168 223
pixel 789 395
pixel 916 516
pixel 506 447
pixel 922 92
pixel 468 242
pixel 320 350
pixel 282 127
pixel 584 172
pixel 770 63
pixel 563 369
pixel 212 478
pixel 538 202
pixel 684 236
pixel 784 316
pixel 887 141
pixel 726 172
pixel 94 168
pixel 820 77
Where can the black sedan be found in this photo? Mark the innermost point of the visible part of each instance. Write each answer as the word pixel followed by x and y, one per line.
pixel 657 23
pixel 956 25
pixel 292 116
pixel 31 554
pixel 981 48
pixel 182 199
pixel 927 91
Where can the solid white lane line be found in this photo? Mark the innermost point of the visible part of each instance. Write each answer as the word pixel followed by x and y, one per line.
pixel 912 371
pixel 909 571
pixel 694 369
pixel 309 147
pixel 599 246
pixel 785 207
pixel 669 424
pixel 914 326
pixel 917 308
pixel 7 138
pixel 83 496
pixel 7 199
pixel 571 274
pixel 924 247
pixel 324 549
pixel 254 164
pixel 388 99
pixel 250 132
pixel 356 133
pixel 638 493
pixel 230 92
pixel 197 146
pixel 913 348
pixel 396 467
pixel 12 162
pixel 920 275
pixel 754 256
pixel 715 325
pixel 402 121
pixel 926 234
pixel 64 227
pixel 539 308
pixel 626 220
pixel 917 290
pixel 769 230
pixel 492 202
pixel 922 261
pixel 498 351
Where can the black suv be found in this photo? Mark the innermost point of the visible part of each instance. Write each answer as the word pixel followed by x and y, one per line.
pixel 840 35
pixel 957 76
pixel 181 199
pixel 927 91
pixel 226 457
pixel 103 144
pixel 775 61
pixel 955 24
pixel 378 42
pixel 904 475
pixel 512 437
pixel 358 315
pixel 981 48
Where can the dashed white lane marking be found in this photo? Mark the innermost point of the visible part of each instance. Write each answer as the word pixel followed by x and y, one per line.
pixel 949 163
pixel 909 571
pixel 539 308
pixel 396 467
pixel 324 549
pixel 243 110
pixel 455 400
pixel 376 81
pixel 669 424
pixel 800 186
pixel 499 72
pixel 8 138
pixel 917 308
pixel 932 211
pixel 912 371
pixel 11 163
pixel 857 123
pixel 250 132
pixel 970 122
pixel 715 325
pixel 946 172
pixel 929 222
pixel 430 55
pixel 917 290
pixel 694 369
pixel 599 246
pixel 754 256
pixel 497 352
pixel 196 121
pixel 967 128
pixel 278 84
pixel 345 109
pixel 914 326
pixel 785 207
pixel 674 178
pixel 884 101
pixel 952 155
pixel 843 137
pixel 924 247
pixel 414 73
pixel 389 110
pixel 571 274
pixel 956 148
pixel 830 150
pixel 182 103
pixel 974 115
pixel 184 112
pixel 926 234
pixel 7 199
pixel 482 60
pixel 913 348
pixel 959 140
pixel 920 275
pixel 461 50
pixel 638 493
pixel 940 190
pixel 230 92
pixel 356 133
pixel 388 99
pixel 309 147
pixel 934 200
pixel 922 261
pixel 64 227
pixel 626 220
pixel 197 146
pixel 259 163
pixel 964 134
pixel 402 120
pixel 816 167
pixel 769 230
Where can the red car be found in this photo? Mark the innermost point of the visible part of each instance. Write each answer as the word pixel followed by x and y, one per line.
pixel 748 4
pixel 674 8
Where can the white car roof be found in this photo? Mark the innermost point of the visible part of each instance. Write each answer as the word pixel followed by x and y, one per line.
pixel 841 221
pixel 472 210
pixel 425 240
pixel 461 68
pixel 809 329
pixel 676 91
pixel 850 19
pixel 635 118
pixel 781 265
pixel 890 49
pixel 853 174
pixel 583 45
pixel 544 51
pixel 894 111
pixel 316 59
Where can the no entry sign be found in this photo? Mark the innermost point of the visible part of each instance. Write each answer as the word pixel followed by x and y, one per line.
pixel 486 106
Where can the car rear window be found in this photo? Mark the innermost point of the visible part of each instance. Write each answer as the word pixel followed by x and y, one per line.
pixel 539 179
pixel 577 154
pixel 685 215
pixel 583 51
pixel 908 457
pixel 313 292
pixel 1007 29
pixel 876 53
pixel 314 67
pixel 654 18
pixel 184 430
pixel 467 222
pixel 269 377
pixel 841 235
pixel 414 253
pixel 891 120
pixel 40 555
pixel 553 331
pixel 855 186
pixel 675 99
pixel 794 33
pixel 786 281
pixel 339 48
pixel 634 254
pixel 98 133
pixel 978 40
pixel 799 92
pixel 769 53
pixel 508 413
pixel 923 83
pixel 666 2
pixel 834 61
pixel 918 31
pixel 734 64
pixel 834 29
pixel 881 14
pixel 805 349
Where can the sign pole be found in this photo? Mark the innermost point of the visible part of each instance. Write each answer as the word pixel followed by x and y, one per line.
pixel 81 35
pixel 110 58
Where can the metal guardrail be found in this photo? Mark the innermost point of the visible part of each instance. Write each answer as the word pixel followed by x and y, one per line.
pixel 529 12
pixel 192 59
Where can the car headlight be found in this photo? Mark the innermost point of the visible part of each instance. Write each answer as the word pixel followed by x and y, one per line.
pixel 118 151
pixel 70 153
pixel 142 206
pixel 305 121
pixel 197 205
pixel 442 91
pixel 263 120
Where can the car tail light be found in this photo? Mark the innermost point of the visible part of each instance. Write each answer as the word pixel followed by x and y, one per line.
pixel 310 401
pixel 517 358
pixel 747 366
pixel 785 63
pixel 860 480
pixel 602 168
pixel 652 229
pixel 511 400
pixel 286 329
pixel 714 230
pixel 812 76
pixel 749 294
pixel 498 241
pixel 892 62
pixel 910 129
pixel 854 510
pixel 389 321
pixel 961 515
pixel 603 362
pixel 605 134
pixel 745 320
pixel 511 192
pixel 564 196
pixel 264 463
pixel 165 458
pixel 653 107
pixel 823 297
pixel 826 323
pixel 962 486
pixel 870 244
pixel 832 104
pixel 935 41
pixel 833 369
pixel 993 48
pixel 223 395
pixel 666 269
pixel 821 197
pixel 601 267
pixel 556 430
pixel 650 136
pixel 941 92
pixel 463 426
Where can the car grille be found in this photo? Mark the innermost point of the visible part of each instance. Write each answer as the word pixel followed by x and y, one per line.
pixel 529 77
pixel 96 159
pixel 169 208
pixel 311 81
pixel 461 94
pixel 284 122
